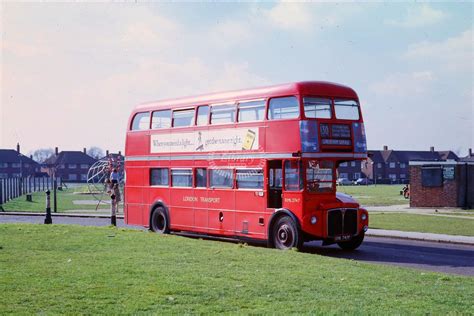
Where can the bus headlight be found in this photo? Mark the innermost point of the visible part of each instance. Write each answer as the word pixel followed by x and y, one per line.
pixel 366 228
pixel 314 220
pixel 364 216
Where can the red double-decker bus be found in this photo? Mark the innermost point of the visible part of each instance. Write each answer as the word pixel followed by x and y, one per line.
pixel 252 164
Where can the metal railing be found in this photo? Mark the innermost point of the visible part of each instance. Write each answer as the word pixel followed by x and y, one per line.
pixel 11 188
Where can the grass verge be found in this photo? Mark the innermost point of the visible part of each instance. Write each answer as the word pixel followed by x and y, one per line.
pixel 422 223
pixel 71 269
pixel 65 200
pixel 375 195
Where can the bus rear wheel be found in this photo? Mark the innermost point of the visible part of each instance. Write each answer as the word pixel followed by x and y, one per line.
pixel 159 221
pixel 286 234
pixel 352 244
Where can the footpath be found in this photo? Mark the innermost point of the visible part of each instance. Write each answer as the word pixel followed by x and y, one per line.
pixel 442 238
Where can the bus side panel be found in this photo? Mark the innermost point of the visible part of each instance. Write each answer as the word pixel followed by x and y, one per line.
pixel 250 207
pixel 221 202
pixel 201 213
pixel 182 208
pixel 134 196
pixel 138 143
pixel 283 136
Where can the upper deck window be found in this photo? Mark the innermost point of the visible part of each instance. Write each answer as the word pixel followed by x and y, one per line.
pixel 161 119
pixel 183 118
pixel 141 121
pixel 251 111
pixel 223 114
pixel 346 109
pixel 317 107
pixel 202 115
pixel 283 108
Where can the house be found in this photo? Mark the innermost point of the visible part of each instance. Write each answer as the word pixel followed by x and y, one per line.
pixel 350 170
pixel 468 158
pixel 14 164
pixel 390 166
pixel 70 166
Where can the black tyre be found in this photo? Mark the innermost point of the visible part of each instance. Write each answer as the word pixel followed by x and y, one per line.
pixel 285 234
pixel 159 221
pixel 352 244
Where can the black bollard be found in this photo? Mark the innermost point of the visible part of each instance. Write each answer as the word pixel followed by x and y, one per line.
pixel 48 219
pixel 113 217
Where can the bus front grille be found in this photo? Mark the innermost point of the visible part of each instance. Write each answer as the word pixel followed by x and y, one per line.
pixel 342 222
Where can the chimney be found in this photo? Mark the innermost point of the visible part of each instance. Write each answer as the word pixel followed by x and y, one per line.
pixel 31 157
pixel 56 151
pixel 84 150
pixel 432 148
pixel 18 147
pixel 107 153
pixel 385 147
pixel 120 153
pixel 470 152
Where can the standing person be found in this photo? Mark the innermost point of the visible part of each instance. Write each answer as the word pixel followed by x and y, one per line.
pixel 114 176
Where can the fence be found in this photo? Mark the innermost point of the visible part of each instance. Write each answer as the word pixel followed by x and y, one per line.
pixel 11 188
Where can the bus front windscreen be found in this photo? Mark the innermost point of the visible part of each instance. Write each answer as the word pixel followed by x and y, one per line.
pixel 346 109
pixel 319 176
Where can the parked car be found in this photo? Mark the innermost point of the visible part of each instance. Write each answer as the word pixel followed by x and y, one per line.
pixel 362 181
pixel 343 181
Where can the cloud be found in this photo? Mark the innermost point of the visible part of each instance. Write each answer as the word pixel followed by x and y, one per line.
pixel 308 17
pixel 418 16
pixel 290 16
pixel 454 54
pixel 404 84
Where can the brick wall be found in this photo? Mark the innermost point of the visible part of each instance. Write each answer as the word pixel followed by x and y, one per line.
pixel 443 196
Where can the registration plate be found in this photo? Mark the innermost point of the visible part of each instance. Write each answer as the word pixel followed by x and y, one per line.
pixel 343 237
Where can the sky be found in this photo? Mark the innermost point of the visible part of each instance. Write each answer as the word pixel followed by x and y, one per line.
pixel 71 73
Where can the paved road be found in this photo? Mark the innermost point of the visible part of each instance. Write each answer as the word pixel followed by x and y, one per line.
pixel 447 258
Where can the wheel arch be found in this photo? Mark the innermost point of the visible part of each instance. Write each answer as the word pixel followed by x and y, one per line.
pixel 273 219
pixel 158 203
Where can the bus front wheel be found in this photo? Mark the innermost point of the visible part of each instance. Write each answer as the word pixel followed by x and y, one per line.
pixel 286 234
pixel 159 221
pixel 352 244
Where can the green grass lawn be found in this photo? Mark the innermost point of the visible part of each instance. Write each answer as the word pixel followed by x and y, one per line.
pixel 422 223
pixel 55 269
pixel 65 200
pixel 374 195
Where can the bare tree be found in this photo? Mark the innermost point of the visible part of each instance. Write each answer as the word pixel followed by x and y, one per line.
pixel 42 154
pixel 95 152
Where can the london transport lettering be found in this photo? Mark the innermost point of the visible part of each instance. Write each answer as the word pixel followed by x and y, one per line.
pixel 256 164
pixel 202 199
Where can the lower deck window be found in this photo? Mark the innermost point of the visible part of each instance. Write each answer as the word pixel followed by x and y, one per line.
pixel 221 178
pixel 250 179
pixel 159 176
pixel 201 178
pixel 293 179
pixel 319 176
pixel 182 178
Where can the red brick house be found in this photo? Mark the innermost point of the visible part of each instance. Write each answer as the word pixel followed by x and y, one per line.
pixel 442 184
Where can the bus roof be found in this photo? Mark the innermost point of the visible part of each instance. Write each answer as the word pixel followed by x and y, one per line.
pixel 317 88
